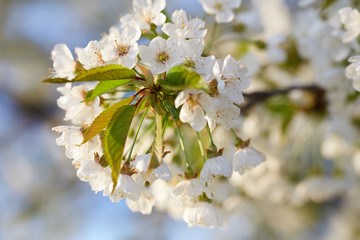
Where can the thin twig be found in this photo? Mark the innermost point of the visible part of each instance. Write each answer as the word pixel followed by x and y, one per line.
pixel 254 98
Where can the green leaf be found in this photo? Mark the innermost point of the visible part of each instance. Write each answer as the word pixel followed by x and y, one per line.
pixel 157 147
pixel 56 80
pixel 114 139
pixel 180 77
pixel 103 119
pixel 104 73
pixel 104 87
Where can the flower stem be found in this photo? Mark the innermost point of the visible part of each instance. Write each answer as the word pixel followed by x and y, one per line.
pixel 233 131
pixel 137 133
pixel 182 145
pixel 210 136
pixel 201 146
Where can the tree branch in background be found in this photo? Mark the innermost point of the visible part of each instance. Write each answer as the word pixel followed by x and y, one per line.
pixel 254 98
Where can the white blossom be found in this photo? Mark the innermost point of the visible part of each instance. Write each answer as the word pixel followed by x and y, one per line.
pixel 183 28
pixel 141 164
pixel 217 166
pixel 246 159
pixel 164 202
pixel 222 9
pixel 351 19
pixel 126 187
pixel 223 112
pixel 187 192
pixel 318 189
pixel 161 54
pixel 90 56
pixel 98 177
pixel 71 138
pixel 353 71
pixel 72 101
pixel 146 12
pixel 121 47
pixel 192 101
pixel 84 157
pixel 192 58
pixel 233 77
pixel 144 204
pixel 64 63
pixel 203 214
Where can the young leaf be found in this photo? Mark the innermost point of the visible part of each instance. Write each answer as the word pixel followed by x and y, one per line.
pixel 56 80
pixel 157 148
pixel 105 73
pixel 181 77
pixel 104 87
pixel 115 138
pixel 103 119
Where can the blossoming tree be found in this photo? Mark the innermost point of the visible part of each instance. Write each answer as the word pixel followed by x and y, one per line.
pixel 146 100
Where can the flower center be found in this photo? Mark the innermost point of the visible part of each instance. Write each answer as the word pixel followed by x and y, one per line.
pixel 189 63
pixel 99 56
pixel 123 50
pixel 213 87
pixel 162 57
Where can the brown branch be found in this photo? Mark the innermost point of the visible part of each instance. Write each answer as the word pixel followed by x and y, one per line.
pixel 254 98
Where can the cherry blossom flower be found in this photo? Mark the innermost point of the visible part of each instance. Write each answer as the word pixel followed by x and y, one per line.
pixel 187 192
pixel 161 54
pixel 217 166
pixel 71 138
pixel 223 112
pixel 193 101
pixel 141 164
pixel 64 63
pixel 353 71
pixel 203 214
pixel 126 187
pixel 318 189
pixel 192 58
pixel 222 9
pixel 183 28
pixel 146 12
pixel 144 204
pixel 121 47
pixel 246 159
pixel 351 19
pixel 233 77
pixel 72 101
pixel 90 56
pixel 84 157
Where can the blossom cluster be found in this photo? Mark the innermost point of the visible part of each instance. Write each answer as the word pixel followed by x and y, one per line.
pixel 167 69
pixel 180 43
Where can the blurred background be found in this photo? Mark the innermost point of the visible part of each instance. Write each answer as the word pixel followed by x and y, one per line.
pixel 40 195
